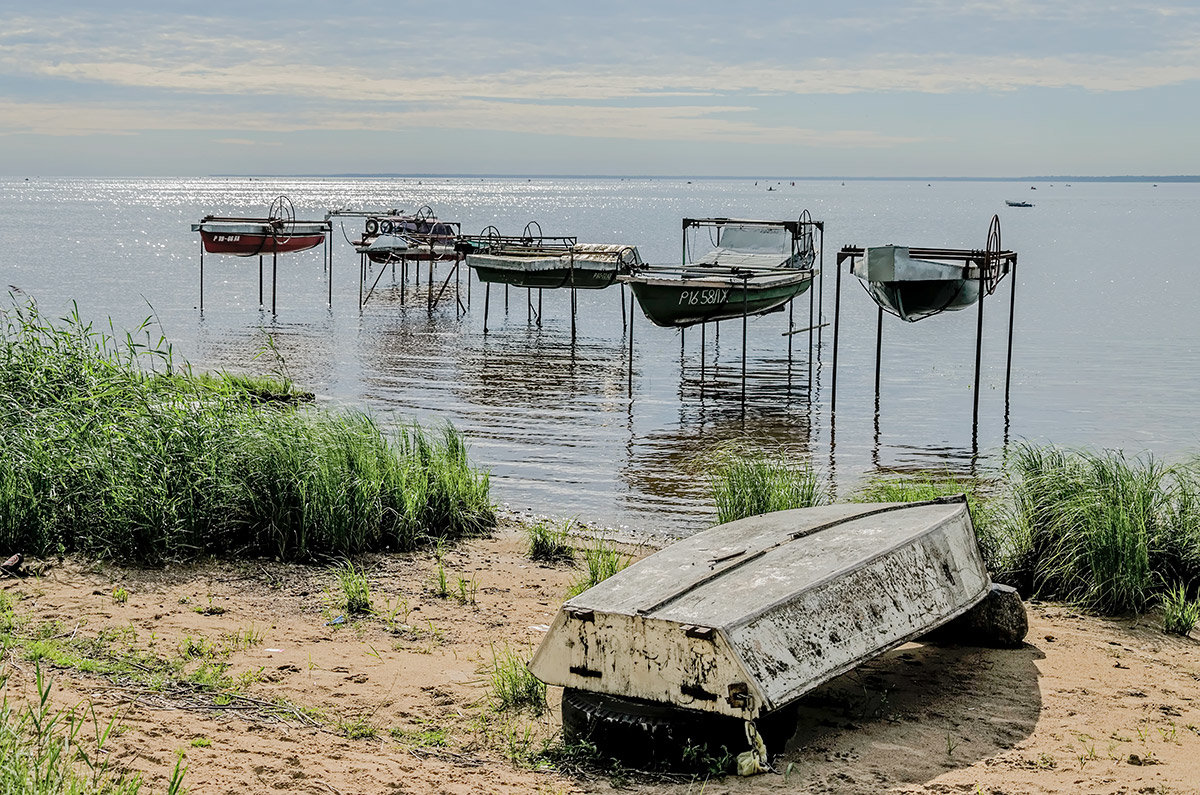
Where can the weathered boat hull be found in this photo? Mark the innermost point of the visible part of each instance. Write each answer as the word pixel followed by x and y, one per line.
pixel 682 302
pixel 748 616
pixel 913 289
pixel 250 239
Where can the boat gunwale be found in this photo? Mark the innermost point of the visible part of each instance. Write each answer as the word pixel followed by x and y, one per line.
pixel 712 276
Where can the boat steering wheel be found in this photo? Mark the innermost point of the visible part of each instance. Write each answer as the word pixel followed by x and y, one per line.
pixel 992 258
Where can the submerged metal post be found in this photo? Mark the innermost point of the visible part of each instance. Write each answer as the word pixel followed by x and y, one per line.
pixel 429 301
pixel 631 344
pixel 274 278
pixel 624 324
pixel 745 300
pixel 260 281
pixel 539 317
pixel 202 278
pixel 791 328
pixel 528 305
pixel 572 315
pixel 329 265
pixel 362 275
pixel 821 276
pixel 811 323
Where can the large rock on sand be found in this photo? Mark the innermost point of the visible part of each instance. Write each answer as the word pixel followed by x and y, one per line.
pixel 998 621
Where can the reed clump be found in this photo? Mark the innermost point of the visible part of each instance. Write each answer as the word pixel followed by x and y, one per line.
pixel 109 447
pixel 1102 530
pixel 750 483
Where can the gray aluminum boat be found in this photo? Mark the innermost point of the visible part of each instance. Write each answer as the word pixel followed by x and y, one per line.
pixel 746 617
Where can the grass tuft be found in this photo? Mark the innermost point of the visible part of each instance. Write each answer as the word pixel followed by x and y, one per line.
pixel 1092 525
pixel 513 687
pixel 356 590
pixel 748 484
pixel 1179 612
pixel 601 560
pixel 551 544
pixel 49 752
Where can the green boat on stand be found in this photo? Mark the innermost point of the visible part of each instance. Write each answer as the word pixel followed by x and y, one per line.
pixel 756 267
pixel 537 261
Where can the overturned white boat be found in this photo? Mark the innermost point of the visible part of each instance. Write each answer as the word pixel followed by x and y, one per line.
pixel 745 618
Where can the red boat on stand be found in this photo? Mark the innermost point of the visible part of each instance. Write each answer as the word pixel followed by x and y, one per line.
pixel 247 237
pixel 278 233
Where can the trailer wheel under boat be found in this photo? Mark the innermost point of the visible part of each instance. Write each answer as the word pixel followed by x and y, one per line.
pixel 732 626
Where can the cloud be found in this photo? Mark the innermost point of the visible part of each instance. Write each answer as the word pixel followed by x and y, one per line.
pixel 679 123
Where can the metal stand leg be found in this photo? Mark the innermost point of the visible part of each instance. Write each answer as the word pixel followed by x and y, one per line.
pixel 631 346
pixel 487 294
pixel 837 315
pixel 878 346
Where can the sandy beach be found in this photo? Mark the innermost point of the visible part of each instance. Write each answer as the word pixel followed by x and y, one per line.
pixel 399 700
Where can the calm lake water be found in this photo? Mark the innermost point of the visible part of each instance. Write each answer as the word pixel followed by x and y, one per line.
pixel 1105 352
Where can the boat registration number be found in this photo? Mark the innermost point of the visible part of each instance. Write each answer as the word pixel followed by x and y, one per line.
pixel 226 238
pixel 711 296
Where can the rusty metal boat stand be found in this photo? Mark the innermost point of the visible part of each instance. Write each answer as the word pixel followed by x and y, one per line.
pixel 976 274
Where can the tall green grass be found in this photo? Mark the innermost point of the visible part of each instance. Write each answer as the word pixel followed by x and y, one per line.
pixel 110 447
pixel 1103 530
pixel 747 484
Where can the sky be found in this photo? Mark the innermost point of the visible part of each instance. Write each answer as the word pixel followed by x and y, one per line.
pixel 957 88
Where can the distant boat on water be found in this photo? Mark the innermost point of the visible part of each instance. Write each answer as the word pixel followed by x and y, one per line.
pixel 1012 203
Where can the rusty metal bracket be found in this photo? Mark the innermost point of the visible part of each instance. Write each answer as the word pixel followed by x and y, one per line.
pixel 739 696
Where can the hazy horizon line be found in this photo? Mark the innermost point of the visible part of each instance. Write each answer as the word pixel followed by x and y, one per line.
pixel 483 175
